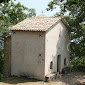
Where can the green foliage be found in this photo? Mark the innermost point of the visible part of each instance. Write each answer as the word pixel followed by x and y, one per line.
pixel 77 62
pixel 78 43
pixel 4 1
pixel 11 14
pixel 15 13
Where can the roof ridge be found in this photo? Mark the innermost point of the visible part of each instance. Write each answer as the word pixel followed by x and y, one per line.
pixel 44 17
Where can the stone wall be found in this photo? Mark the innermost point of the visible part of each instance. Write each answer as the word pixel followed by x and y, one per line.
pixel 28 54
pixel 57 45
pixel 7 56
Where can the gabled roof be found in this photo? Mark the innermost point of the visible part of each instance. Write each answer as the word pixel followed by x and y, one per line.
pixel 38 23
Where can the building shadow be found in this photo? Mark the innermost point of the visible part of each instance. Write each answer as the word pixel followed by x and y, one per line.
pixel 17 80
pixel 73 78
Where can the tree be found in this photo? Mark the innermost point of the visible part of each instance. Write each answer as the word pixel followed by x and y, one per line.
pixel 4 1
pixel 76 8
pixel 11 14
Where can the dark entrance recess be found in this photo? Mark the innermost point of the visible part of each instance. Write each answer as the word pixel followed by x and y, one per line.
pixel 58 63
pixel 65 62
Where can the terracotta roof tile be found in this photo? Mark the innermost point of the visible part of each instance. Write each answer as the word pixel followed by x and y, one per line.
pixel 39 23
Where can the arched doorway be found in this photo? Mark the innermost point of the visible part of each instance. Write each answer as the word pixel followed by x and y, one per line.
pixel 58 63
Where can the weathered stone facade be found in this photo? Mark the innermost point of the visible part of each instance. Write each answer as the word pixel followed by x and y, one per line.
pixel 28 54
pixel 7 56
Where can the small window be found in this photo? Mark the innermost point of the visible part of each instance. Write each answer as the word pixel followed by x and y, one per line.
pixel 59 35
pixel 14 32
pixel 64 61
pixel 39 54
pixel 51 65
pixel 40 35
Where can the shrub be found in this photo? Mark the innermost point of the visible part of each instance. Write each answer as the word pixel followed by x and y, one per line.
pixel 77 62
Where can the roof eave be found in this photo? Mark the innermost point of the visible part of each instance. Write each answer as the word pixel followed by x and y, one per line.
pixel 29 30
pixel 65 23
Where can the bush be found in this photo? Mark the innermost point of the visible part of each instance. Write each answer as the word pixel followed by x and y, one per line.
pixel 77 62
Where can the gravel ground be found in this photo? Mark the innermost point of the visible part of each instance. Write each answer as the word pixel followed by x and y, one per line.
pixel 74 78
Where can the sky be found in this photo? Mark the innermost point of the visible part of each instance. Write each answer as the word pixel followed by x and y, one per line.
pixel 39 6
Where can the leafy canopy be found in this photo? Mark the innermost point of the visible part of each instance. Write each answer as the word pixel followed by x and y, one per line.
pixel 11 14
pixel 4 1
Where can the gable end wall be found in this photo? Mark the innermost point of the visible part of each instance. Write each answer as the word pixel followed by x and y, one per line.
pixel 56 43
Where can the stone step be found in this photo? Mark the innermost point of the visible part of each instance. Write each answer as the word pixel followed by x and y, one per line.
pixel 50 77
pixel 53 76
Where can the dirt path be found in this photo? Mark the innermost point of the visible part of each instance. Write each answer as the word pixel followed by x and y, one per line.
pixel 75 78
